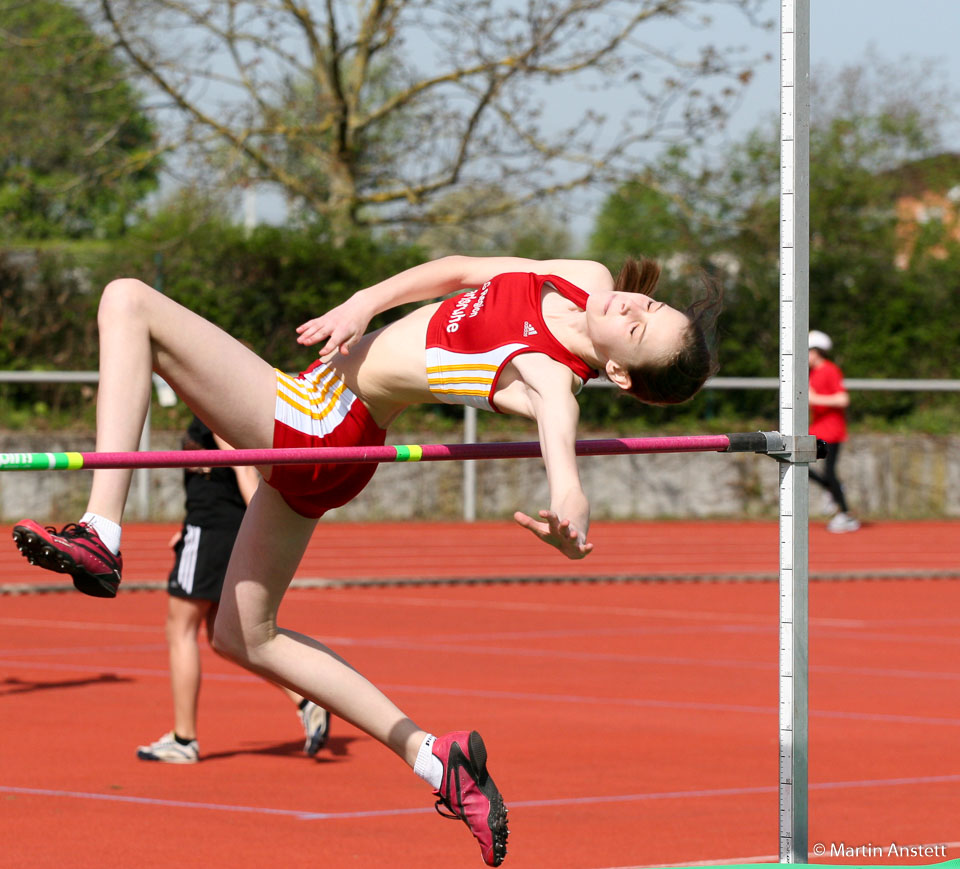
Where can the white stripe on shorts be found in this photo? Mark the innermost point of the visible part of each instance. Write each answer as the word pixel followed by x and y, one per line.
pixel 187 570
pixel 313 404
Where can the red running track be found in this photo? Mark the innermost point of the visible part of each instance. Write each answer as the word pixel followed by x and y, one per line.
pixel 457 550
pixel 628 724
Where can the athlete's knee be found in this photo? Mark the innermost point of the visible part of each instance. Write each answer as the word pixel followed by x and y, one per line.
pixel 224 647
pixel 236 639
pixel 123 298
pixel 227 641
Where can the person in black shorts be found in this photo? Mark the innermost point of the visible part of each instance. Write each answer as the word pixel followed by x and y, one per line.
pixel 216 501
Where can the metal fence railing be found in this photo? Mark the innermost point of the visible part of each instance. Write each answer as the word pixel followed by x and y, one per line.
pixel 771 383
pixel 140 489
pixel 140 486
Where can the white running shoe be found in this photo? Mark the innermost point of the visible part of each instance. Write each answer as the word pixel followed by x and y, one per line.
pixel 316 727
pixel 842 523
pixel 168 750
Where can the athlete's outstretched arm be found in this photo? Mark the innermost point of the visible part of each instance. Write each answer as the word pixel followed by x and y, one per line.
pixel 344 325
pixel 566 523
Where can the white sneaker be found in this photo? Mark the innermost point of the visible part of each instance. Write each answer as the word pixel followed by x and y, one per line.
pixel 842 523
pixel 168 750
pixel 316 727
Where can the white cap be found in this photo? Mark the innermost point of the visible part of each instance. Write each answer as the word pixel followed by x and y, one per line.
pixel 819 341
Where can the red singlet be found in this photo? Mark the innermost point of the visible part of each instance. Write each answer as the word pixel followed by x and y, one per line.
pixel 472 337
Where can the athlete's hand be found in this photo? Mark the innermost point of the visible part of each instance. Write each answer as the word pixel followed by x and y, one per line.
pixel 340 328
pixel 557 532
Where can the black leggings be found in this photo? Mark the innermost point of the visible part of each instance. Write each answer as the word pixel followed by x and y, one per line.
pixel 828 479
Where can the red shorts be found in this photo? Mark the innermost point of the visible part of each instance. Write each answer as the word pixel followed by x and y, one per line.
pixel 316 409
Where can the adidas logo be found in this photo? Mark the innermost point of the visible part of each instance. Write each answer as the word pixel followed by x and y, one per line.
pixel 528 329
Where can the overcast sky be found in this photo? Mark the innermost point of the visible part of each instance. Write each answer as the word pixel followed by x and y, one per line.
pixel 842 32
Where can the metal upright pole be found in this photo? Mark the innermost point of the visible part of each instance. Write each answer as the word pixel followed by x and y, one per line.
pixel 794 506
pixel 469 466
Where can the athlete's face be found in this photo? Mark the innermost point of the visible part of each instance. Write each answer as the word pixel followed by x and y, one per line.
pixel 633 330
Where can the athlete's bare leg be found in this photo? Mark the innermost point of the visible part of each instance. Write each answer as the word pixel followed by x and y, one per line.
pixel 211 619
pixel 269 547
pixel 222 381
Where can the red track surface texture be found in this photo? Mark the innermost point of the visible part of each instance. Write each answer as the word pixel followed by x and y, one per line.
pixel 628 724
pixel 433 550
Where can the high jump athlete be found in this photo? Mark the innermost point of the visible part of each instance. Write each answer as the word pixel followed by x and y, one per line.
pixel 521 341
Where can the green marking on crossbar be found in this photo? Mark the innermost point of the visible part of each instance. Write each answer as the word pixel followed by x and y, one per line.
pixel 40 461
pixel 409 452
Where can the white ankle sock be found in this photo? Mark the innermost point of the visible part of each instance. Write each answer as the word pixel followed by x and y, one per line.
pixel 108 530
pixel 428 766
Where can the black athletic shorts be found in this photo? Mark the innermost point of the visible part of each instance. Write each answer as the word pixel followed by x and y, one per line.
pixel 201 562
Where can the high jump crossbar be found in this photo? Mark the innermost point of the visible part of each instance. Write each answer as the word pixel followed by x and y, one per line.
pixel 771 443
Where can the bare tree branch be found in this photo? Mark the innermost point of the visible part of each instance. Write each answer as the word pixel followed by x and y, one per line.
pixel 366 111
pixel 240 141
